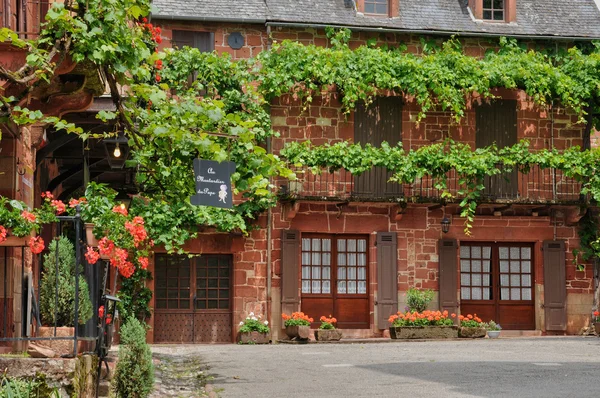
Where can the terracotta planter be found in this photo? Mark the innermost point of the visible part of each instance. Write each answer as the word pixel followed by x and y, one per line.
pixel 423 332
pixel 60 347
pixel 254 338
pixel 89 235
pixel 15 241
pixel 597 327
pixel 328 334
pixel 471 333
pixel 297 332
pixel 493 334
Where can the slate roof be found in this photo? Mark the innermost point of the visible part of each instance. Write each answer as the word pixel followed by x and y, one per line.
pixel 556 18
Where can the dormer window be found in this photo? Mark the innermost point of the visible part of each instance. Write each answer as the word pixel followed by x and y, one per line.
pixel 377 7
pixel 493 10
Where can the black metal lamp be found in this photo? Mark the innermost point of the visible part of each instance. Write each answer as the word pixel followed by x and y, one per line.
pixel 445 224
pixel 117 151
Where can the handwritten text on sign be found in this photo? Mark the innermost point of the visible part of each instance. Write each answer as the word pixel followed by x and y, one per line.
pixel 213 183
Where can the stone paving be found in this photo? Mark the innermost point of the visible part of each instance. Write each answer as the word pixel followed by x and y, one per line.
pixel 509 367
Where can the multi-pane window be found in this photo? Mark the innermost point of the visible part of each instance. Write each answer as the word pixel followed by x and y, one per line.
pixel 316 265
pixel 515 273
pixel 352 266
pixel 338 263
pixel 376 7
pixel 493 10
pixel 172 275
pixel 496 272
pixel 213 282
pixel 476 272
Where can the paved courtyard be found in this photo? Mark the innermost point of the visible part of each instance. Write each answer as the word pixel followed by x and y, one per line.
pixel 518 367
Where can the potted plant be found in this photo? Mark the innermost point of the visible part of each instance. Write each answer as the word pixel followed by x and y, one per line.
pixel 59 309
pixel 471 326
pixel 327 330
pixel 493 329
pixel 254 331
pixel 422 325
pixel 297 326
pixel 418 300
pixel 596 320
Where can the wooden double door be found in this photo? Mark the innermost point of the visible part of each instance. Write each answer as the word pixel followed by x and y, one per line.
pixel 497 283
pixel 335 279
pixel 193 299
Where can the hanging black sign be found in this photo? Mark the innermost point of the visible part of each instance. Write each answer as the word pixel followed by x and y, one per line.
pixel 213 183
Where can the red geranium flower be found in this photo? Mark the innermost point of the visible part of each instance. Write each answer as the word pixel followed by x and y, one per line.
pixel 106 246
pixel 47 195
pixel 36 245
pixel 59 206
pixel 92 256
pixel 101 311
pixel 3 234
pixel 143 262
pixel 121 209
pixel 28 216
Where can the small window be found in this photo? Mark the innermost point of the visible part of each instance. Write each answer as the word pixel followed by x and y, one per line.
pixel 203 41
pixel 493 10
pixel 379 7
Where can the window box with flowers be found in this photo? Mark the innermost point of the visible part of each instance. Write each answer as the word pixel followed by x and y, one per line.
pixel 253 330
pixel 297 325
pixel 596 320
pixel 327 330
pixel 423 325
pixel 471 327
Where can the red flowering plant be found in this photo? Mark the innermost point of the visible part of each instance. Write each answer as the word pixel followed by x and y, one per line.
pixel 297 319
pixel 471 321
pixel 425 318
pixel 327 323
pixel 596 317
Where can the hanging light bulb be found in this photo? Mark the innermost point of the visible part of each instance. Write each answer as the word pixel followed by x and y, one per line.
pixel 117 152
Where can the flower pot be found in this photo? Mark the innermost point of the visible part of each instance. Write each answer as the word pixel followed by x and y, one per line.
pixel 471 333
pixel 493 334
pixel 300 332
pixel 328 334
pixel 423 332
pixel 254 338
pixel 15 241
pixel 89 235
pixel 597 327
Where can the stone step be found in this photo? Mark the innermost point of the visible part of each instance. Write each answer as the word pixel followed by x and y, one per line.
pixel 104 389
pixel 520 333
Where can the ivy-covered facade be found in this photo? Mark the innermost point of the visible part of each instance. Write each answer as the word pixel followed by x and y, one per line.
pixel 351 246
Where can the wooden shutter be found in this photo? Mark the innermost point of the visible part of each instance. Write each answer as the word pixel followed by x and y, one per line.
pixel 380 121
pixel 448 275
pixel 290 249
pixel 387 277
pixel 555 285
pixel 203 41
pixel 497 124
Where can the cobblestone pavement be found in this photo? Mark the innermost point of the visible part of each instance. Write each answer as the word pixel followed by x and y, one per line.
pixel 512 367
pixel 178 373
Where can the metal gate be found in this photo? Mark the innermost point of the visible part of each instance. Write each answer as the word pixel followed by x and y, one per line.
pixel 193 299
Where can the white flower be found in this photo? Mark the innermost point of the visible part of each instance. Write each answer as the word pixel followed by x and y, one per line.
pixel 266 322
pixel 241 323
pixel 254 318
pixel 251 314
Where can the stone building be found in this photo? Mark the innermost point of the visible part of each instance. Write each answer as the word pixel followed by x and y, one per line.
pixel 343 245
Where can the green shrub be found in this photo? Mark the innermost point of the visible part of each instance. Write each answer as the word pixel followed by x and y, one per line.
pixel 26 388
pixel 418 300
pixel 134 375
pixel 66 287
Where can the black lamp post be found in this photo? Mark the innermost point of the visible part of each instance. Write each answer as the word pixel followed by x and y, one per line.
pixel 117 151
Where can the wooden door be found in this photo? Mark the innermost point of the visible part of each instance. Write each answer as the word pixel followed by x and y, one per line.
pixel 380 121
pixel 193 299
pixel 497 283
pixel 448 275
pixel 335 279
pixel 496 123
pixel 555 286
pixel 387 277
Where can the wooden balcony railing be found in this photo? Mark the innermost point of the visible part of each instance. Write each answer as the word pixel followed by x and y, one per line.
pixel 535 186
